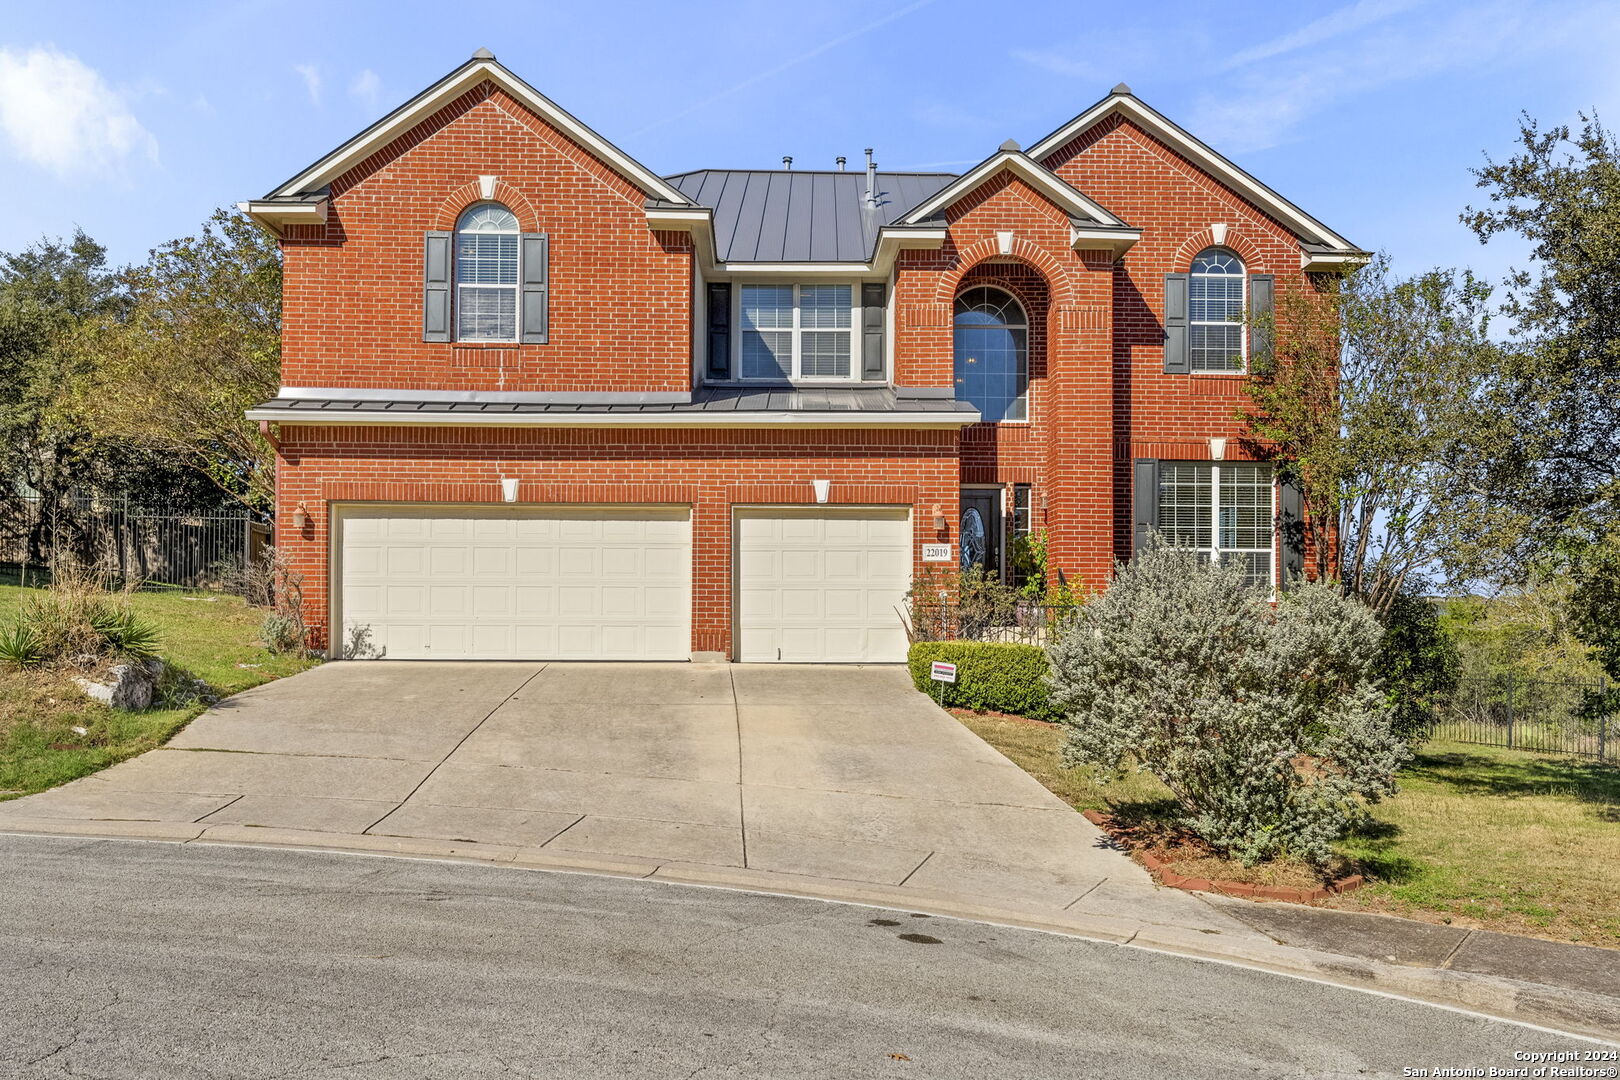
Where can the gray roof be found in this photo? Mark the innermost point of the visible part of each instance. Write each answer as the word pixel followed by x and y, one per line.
pixel 784 398
pixel 796 215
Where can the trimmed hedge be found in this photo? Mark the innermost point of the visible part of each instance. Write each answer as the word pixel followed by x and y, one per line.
pixel 990 676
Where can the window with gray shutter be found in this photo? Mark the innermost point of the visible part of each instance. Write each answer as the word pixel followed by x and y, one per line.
pixel 1291 531
pixel 436 287
pixel 1262 332
pixel 1145 501
pixel 719 297
pixel 873 301
pixel 1175 324
pixel 536 268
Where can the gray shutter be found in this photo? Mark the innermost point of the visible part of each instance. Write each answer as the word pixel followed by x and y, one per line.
pixel 719 330
pixel 1175 324
pixel 1145 499
pixel 1291 531
pixel 536 306
pixel 436 287
pixel 1262 309
pixel 874 295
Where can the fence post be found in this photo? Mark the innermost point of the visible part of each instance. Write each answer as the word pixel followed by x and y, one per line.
pixel 1510 712
pixel 1603 718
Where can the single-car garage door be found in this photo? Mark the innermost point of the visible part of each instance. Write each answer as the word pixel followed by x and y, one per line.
pixel 509 583
pixel 822 585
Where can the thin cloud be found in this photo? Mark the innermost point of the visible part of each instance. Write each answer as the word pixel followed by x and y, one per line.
pixel 784 66
pixel 366 88
pixel 61 115
pixel 1345 20
pixel 1059 64
pixel 312 81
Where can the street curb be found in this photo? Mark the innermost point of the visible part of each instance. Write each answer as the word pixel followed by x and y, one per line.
pixel 1573 1011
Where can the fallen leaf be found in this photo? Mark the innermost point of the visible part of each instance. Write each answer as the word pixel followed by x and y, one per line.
pixel 899 1057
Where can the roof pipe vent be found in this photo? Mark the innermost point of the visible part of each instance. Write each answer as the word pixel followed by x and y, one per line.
pixel 787 161
pixel 840 160
pixel 871 179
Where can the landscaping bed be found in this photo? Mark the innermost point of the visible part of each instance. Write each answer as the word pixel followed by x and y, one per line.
pixel 50 732
pixel 1479 837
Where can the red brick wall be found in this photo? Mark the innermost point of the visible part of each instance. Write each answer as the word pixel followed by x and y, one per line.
pixel 620 294
pixel 710 470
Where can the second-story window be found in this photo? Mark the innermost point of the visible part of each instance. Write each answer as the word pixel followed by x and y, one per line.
pixel 487 274
pixel 991 345
pixel 795 332
pixel 1215 312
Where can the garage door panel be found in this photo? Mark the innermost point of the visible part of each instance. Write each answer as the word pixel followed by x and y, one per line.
pixel 532 583
pixel 822 586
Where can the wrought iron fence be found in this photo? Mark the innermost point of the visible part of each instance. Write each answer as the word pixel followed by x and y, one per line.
pixel 1525 714
pixel 1014 621
pixel 152 547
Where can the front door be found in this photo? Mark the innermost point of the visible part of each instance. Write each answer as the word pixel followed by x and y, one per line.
pixel 981 531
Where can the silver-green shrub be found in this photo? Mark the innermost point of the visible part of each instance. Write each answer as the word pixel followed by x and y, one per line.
pixel 1264 721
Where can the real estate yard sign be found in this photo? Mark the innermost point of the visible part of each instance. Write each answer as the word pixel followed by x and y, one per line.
pixel 942 673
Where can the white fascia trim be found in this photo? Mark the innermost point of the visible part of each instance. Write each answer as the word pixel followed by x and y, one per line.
pixel 697 222
pixel 1026 169
pixel 453 86
pixel 1189 146
pixel 685 420
pixel 1118 241
pixel 276 215
pixel 509 397
pixel 799 269
pixel 890 243
pixel 1338 260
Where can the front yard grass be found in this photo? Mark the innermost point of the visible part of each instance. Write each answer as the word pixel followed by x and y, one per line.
pixel 208 642
pixel 1499 839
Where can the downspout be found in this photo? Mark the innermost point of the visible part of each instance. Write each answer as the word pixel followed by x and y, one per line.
pixel 264 430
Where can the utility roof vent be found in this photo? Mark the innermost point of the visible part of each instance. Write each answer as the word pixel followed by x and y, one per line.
pixel 840 160
pixel 787 161
pixel 871 179
pixel 483 54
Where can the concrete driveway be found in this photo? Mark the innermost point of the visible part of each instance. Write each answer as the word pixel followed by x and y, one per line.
pixel 841 774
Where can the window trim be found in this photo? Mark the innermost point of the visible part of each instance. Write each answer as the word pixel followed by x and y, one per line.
pixel 1243 306
pixel 456 284
pixel 1214 551
pixel 794 378
pixel 1029 387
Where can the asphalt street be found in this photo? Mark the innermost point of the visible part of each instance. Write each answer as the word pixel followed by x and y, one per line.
pixel 124 959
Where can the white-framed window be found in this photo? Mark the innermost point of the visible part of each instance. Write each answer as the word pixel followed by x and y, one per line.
pixel 1225 509
pixel 1216 333
pixel 793 332
pixel 990 350
pixel 487 274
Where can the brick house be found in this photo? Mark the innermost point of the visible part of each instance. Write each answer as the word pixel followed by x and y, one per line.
pixel 540 401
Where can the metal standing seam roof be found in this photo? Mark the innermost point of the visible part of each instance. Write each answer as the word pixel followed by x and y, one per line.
pixel 875 399
pixel 800 215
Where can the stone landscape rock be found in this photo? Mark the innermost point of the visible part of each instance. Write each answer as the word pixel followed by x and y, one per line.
pixel 126 686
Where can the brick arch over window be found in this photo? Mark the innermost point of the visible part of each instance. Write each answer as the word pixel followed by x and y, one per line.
pixel 1246 249
pixel 450 208
pixel 988 250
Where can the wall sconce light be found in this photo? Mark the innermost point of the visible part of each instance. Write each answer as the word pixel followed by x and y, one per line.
pixel 940 524
pixel 509 486
pixel 1217 449
pixel 300 516
pixel 821 487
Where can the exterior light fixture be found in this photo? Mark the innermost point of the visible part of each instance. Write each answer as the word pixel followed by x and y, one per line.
pixel 509 487
pixel 300 516
pixel 822 487
pixel 940 524
pixel 1217 448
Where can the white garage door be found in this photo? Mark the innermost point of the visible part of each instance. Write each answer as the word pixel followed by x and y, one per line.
pixel 498 583
pixel 822 586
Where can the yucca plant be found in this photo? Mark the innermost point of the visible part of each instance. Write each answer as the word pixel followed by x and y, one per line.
pixel 20 646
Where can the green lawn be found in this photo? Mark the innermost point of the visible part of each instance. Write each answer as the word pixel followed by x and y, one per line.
pixel 205 637
pixel 1501 839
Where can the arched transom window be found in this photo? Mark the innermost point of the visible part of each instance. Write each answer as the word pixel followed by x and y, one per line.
pixel 991 345
pixel 1215 312
pixel 487 274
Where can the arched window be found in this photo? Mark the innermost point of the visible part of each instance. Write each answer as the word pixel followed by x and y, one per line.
pixel 991 346
pixel 1215 312
pixel 486 274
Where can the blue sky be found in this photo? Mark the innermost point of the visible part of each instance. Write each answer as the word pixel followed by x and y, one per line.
pixel 133 121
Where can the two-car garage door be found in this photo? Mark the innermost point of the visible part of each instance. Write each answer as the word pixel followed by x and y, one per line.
pixel 499 583
pixel 614 583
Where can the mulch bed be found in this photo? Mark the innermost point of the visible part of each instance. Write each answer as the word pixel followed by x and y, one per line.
pixel 1159 852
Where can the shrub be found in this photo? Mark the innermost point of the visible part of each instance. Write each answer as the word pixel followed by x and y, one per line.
pixel 990 676
pixel 1418 663
pixel 1266 724
pixel 76 620
pixel 280 633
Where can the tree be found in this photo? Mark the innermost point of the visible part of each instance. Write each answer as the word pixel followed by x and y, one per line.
pixel 1417 662
pixel 1371 404
pixel 1266 725
pixel 199 344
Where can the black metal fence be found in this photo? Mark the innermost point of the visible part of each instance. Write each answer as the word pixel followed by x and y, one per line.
pixel 1524 714
pixel 153 547
pixel 1017 621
